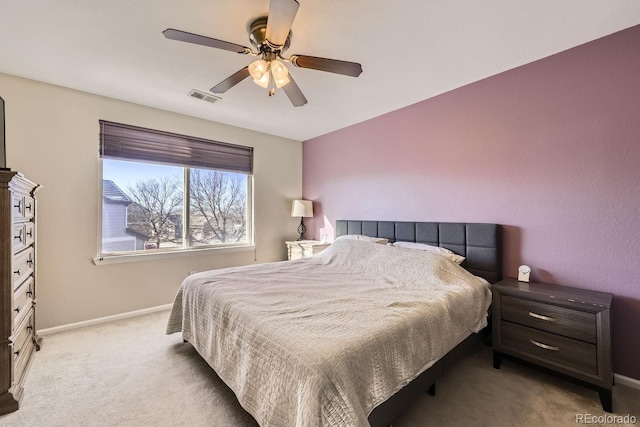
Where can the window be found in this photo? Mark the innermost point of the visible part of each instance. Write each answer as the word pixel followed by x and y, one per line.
pixel 165 192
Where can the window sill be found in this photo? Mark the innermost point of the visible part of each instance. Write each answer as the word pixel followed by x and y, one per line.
pixel 145 256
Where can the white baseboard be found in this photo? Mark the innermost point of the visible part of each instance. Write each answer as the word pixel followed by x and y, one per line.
pixel 629 382
pixel 70 326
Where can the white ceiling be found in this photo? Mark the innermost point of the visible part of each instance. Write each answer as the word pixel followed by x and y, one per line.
pixel 410 50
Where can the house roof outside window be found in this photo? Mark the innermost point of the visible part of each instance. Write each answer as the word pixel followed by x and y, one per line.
pixel 112 193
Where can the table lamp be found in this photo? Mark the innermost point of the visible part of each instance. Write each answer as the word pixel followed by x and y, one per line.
pixel 302 209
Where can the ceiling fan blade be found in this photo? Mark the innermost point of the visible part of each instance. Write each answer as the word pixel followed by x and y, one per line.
pixel 183 36
pixel 294 93
pixel 281 16
pixel 346 68
pixel 231 81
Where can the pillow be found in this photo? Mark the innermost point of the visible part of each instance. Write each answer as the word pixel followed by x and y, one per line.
pixel 380 240
pixel 424 247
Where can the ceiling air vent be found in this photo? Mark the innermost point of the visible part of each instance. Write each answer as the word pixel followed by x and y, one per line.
pixel 203 96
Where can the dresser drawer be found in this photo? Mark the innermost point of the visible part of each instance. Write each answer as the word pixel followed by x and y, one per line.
pixel 23 236
pixel 558 320
pixel 22 267
pixel 22 360
pixel 547 347
pixel 23 300
pixel 23 207
pixel 23 333
pixel 29 233
pixel 18 238
pixel 23 345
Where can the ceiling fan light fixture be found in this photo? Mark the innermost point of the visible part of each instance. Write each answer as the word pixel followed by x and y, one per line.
pixel 278 69
pixel 282 82
pixel 280 73
pixel 262 81
pixel 258 69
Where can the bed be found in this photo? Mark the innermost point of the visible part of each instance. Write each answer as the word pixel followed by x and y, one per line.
pixel 347 336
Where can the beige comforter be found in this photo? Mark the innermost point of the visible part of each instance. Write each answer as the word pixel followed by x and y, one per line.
pixel 321 341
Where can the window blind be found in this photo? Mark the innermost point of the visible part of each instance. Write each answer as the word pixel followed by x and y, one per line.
pixel 126 142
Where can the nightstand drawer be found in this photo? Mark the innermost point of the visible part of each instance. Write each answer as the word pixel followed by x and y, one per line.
pixel 304 248
pixel 296 252
pixel 558 320
pixel 550 348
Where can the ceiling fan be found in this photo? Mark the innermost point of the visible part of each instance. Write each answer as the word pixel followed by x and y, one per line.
pixel 271 36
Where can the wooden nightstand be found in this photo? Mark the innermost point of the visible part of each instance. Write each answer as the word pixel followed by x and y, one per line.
pixel 303 248
pixel 566 330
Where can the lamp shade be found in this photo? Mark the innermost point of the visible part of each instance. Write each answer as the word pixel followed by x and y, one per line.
pixel 302 208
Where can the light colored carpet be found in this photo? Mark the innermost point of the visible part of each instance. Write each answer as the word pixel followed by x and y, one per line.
pixel 129 373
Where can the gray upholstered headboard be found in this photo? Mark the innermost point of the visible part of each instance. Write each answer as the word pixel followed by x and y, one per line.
pixel 480 244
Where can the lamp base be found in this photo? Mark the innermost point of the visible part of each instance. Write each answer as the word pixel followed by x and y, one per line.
pixel 301 230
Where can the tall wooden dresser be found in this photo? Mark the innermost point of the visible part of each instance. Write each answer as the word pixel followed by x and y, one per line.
pixel 18 338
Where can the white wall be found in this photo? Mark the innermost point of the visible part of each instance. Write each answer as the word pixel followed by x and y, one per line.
pixel 52 137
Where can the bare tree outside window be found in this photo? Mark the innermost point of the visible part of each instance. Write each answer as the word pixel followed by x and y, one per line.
pixel 218 207
pixel 156 210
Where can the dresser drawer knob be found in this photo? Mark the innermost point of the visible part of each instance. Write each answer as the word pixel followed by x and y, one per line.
pixel 17 353
pixel 18 237
pixel 17 309
pixel 29 293
pixel 30 233
pixel 19 205
pixel 545 346
pixel 28 207
pixel 541 317
pixel 17 272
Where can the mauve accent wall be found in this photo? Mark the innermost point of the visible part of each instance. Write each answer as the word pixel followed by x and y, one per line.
pixel 550 149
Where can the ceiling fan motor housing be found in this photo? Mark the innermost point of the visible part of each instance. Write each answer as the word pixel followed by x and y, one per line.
pixel 258 37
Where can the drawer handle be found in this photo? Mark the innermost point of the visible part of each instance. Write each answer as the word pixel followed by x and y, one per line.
pixel 17 272
pixel 17 309
pixel 19 205
pixel 17 353
pixel 545 346
pixel 30 233
pixel 541 317
pixel 30 262
pixel 29 293
pixel 18 237
pixel 28 207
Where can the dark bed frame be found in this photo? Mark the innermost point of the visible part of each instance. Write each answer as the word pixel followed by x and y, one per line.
pixel 480 244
